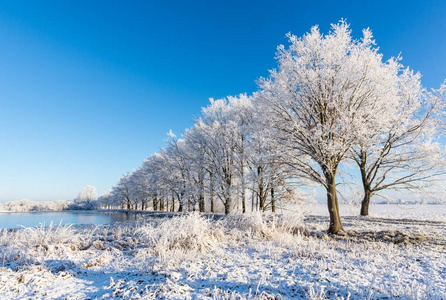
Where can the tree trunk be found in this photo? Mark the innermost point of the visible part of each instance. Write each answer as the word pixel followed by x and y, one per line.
pixel 201 203
pixel 228 205
pixel 180 203
pixel 257 202
pixel 155 203
pixel 333 207
pixel 253 202
pixel 243 201
pixel 211 190
pixel 228 184
pixel 242 175
pixel 263 196
pixel 172 207
pixel 365 203
pixel 161 204
pixel 228 202
pixel 273 201
pixel 365 184
pixel 263 193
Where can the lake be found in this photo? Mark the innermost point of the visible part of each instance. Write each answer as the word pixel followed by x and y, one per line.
pixel 32 219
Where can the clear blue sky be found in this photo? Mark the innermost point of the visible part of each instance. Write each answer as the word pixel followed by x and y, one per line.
pixel 88 89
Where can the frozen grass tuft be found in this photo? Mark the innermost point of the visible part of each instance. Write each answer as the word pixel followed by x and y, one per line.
pixel 264 226
pixel 46 236
pixel 184 234
pixel 32 244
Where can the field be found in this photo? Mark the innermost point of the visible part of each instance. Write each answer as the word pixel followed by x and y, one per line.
pixel 398 252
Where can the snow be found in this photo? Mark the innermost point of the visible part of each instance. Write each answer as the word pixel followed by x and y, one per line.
pixel 255 256
pixel 433 212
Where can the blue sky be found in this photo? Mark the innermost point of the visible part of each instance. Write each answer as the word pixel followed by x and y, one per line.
pixel 88 89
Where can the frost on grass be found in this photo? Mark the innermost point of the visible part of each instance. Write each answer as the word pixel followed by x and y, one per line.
pixel 251 256
pixel 185 234
pixel 34 244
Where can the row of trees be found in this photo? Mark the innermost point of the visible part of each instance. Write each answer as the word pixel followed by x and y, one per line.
pixel 226 160
pixel 332 100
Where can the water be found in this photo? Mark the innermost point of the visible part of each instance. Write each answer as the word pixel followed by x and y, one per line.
pixel 32 219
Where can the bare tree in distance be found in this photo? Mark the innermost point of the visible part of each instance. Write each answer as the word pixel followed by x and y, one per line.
pixel 87 195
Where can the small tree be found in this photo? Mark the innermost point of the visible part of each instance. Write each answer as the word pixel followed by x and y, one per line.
pixel 87 195
pixel 398 150
pixel 123 191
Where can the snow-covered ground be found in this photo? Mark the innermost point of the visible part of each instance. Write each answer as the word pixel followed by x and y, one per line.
pixel 395 253
pixel 433 212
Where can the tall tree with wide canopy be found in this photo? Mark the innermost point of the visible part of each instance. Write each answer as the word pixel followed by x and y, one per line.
pixel 325 88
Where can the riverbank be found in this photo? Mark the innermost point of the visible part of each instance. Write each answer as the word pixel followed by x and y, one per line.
pixel 249 256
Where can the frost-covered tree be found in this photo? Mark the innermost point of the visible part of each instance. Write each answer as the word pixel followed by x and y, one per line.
pixel 199 164
pixel 220 131
pixel 269 174
pixel 152 172
pixel 140 193
pixel 106 201
pixel 332 97
pixel 396 148
pixel 87 195
pixel 226 155
pixel 122 191
pixel 243 114
pixel 178 178
pixel 399 150
pixel 325 88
